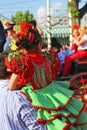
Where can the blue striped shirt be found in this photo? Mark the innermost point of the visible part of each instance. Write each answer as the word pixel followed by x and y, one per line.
pixel 16 113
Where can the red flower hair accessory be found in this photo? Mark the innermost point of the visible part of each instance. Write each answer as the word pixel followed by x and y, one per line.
pixel 75 27
pixel 24 28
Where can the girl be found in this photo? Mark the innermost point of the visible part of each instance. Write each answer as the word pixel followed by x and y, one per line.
pixel 35 73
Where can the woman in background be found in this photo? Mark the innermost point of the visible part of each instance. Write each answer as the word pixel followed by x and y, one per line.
pixel 69 49
pixel 80 53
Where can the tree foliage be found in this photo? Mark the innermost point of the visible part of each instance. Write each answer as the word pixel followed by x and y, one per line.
pixel 73 8
pixel 76 13
pixel 21 17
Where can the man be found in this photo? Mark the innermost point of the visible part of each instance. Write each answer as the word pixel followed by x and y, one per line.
pixel 6 46
pixel 34 24
pixel 2 37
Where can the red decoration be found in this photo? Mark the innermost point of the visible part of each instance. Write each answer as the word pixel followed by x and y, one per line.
pixel 75 27
pixel 31 37
pixel 24 28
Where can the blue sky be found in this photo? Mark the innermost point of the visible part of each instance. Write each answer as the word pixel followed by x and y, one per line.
pixel 36 7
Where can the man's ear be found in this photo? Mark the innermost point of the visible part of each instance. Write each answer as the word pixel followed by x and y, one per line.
pixel 39 30
pixel 40 46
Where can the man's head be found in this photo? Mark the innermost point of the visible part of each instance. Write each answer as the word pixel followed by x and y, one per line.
pixel 33 23
pixel 3 69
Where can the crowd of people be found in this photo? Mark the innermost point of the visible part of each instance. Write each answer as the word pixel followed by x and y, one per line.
pixel 30 96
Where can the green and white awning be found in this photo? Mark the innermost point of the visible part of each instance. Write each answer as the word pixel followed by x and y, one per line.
pixel 57 32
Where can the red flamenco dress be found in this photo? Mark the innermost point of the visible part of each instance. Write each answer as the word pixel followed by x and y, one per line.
pixel 55 103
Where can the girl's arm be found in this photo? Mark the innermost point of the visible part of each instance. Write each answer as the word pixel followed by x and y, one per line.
pixel 82 41
pixel 13 82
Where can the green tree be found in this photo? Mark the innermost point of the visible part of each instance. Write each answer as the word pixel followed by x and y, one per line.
pixel 21 17
pixel 76 13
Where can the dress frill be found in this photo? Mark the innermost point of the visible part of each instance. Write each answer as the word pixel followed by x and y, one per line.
pixel 57 106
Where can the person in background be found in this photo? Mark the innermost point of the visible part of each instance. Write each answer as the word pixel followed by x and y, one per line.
pixel 34 24
pixel 55 45
pixel 76 36
pixel 2 37
pixel 12 35
pixel 80 53
pixel 69 49
pixel 72 47
pixel 35 72
pixel 6 46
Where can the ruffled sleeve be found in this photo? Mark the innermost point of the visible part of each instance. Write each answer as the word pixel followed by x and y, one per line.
pixel 21 65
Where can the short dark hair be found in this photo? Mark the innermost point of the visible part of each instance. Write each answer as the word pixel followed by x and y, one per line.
pixel 33 22
pixel 55 43
pixel 3 69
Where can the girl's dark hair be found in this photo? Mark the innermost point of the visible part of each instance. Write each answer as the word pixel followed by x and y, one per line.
pixel 22 43
pixel 30 41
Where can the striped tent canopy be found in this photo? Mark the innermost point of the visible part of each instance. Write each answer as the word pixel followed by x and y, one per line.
pixel 57 32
